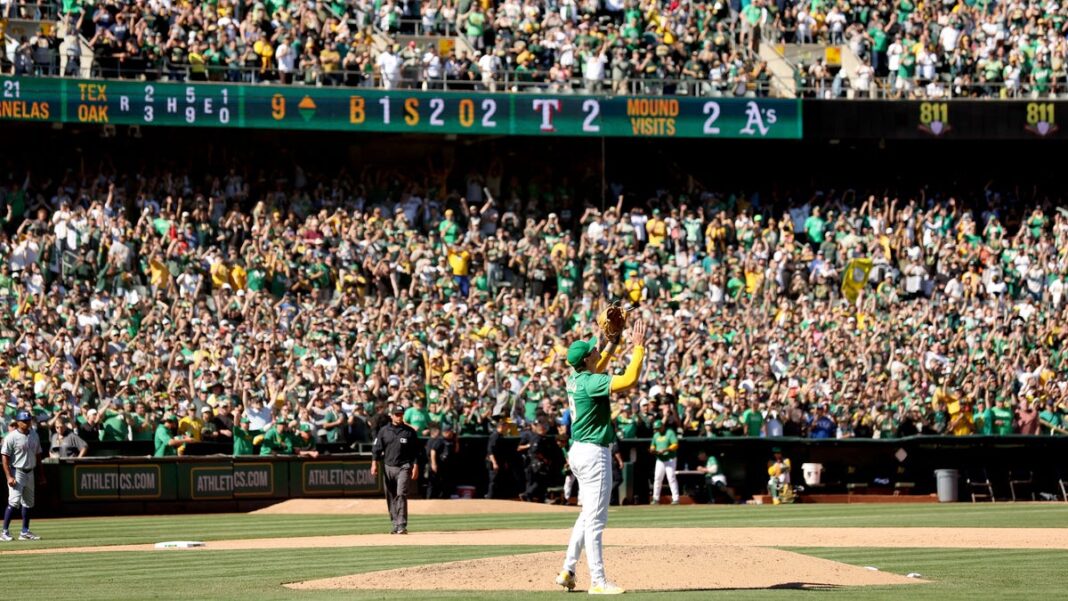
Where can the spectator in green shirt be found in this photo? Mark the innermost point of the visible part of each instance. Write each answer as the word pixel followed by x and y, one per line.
pixel 448 230
pixel 116 427
pixel 242 437
pixel 418 418
pixel 753 420
pixel 1050 421
pixel 815 227
pixel 1002 417
pixel 475 23
pixel 984 418
pixel 142 425
pixel 626 424
pixel 167 438
pixel 277 440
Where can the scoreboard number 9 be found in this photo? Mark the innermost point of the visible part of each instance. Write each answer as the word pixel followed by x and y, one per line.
pixel 278 107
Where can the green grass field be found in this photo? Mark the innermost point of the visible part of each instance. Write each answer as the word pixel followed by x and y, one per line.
pixel 258 574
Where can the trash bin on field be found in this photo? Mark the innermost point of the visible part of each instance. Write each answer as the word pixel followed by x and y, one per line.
pixel 947 481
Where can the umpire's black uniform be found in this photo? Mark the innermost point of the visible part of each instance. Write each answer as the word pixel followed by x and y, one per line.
pixel 397 446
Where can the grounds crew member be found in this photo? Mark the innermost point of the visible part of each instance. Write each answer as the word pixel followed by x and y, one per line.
pixel 590 460
pixel 21 452
pixel 397 446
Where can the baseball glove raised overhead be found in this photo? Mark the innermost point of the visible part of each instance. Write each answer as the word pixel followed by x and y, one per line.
pixel 612 321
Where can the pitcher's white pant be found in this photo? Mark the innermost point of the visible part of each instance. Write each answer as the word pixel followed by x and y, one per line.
pixel 592 466
pixel 665 467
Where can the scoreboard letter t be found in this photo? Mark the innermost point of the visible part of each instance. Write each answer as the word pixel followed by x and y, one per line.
pixel 547 107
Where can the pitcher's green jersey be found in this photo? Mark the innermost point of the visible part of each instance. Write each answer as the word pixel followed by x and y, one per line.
pixel 591 415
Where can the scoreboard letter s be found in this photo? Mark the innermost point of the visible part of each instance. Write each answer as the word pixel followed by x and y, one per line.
pixel 411 111
pixel 356 110
pixel 278 107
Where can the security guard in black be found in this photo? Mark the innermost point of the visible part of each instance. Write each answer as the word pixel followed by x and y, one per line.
pixel 397 446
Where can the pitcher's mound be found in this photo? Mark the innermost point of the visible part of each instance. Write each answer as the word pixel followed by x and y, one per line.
pixel 415 507
pixel 652 568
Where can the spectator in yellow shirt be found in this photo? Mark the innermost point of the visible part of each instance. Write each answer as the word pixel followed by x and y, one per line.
pixel 961 422
pixel 657 230
pixel 239 276
pixel 190 425
pixel 220 275
pixel 460 262
pixel 158 273
pixel 635 287
pixel 330 59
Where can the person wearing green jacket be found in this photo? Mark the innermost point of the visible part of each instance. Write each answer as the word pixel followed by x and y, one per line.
pixel 242 437
pixel 167 438
pixel 277 440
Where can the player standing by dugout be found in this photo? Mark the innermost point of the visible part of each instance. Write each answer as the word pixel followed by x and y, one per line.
pixel 592 430
pixel 21 455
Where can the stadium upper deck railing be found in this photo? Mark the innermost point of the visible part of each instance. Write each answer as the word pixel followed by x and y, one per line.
pixel 538 82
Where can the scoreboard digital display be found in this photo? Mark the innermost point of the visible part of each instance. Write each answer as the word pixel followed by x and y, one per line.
pixel 400 111
pixel 965 119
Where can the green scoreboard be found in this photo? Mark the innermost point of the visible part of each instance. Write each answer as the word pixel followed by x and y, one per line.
pixel 400 111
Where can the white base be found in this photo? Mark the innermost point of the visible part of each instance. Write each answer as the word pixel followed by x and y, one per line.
pixel 180 544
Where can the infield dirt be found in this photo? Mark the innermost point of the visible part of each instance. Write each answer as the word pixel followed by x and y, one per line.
pixel 947 538
pixel 648 568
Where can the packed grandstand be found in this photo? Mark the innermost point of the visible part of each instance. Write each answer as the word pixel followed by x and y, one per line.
pixel 900 49
pixel 319 299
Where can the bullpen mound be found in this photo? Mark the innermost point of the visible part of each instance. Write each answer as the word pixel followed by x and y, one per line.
pixel 416 507
pixel 648 568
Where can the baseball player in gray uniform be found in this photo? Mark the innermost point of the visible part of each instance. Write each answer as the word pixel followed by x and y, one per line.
pixel 21 452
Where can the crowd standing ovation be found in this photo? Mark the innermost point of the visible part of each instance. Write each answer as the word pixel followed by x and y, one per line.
pixel 557 45
pixel 1002 49
pixel 284 310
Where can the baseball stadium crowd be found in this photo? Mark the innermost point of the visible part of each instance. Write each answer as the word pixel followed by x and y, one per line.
pixel 284 310
pixel 559 45
pixel 905 48
pixel 941 49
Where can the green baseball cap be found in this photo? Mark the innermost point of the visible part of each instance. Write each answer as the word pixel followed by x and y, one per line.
pixel 579 350
pixel 658 423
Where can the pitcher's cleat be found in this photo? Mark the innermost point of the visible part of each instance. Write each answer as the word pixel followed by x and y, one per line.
pixel 566 579
pixel 5 536
pixel 28 536
pixel 606 588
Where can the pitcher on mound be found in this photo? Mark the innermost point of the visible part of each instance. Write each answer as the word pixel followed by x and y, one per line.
pixel 592 434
